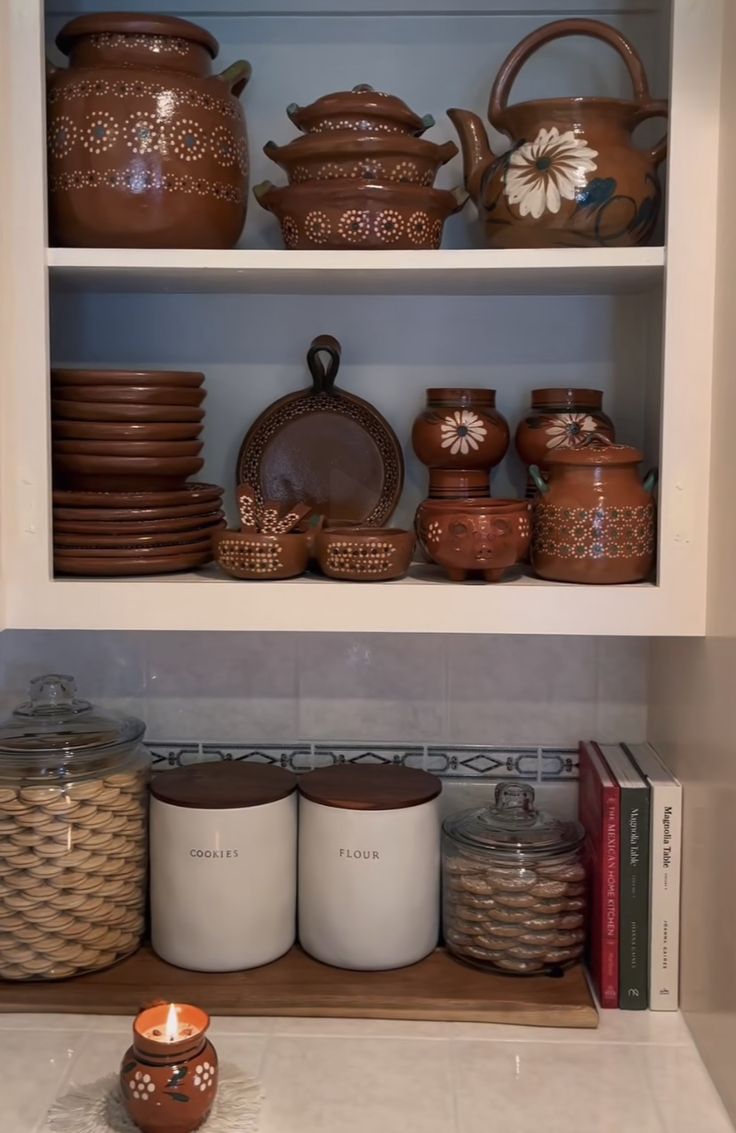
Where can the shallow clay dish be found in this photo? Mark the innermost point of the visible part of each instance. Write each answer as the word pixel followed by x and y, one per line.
pixel 333 215
pixel 169 378
pixel 251 555
pixel 128 448
pixel 137 395
pixel 364 554
pixel 361 108
pixel 79 564
pixel 367 157
pixel 131 550
pixel 193 523
pixel 123 540
pixel 124 412
pixel 189 496
pixel 141 473
pixel 327 448
pixel 125 431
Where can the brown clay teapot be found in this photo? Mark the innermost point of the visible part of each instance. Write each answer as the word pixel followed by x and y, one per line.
pixel 594 520
pixel 572 176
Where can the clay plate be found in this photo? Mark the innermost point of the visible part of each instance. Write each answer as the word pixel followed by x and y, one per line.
pixel 325 447
pixel 140 527
pixel 186 496
pixel 124 431
pixel 81 565
pixel 143 473
pixel 137 395
pixel 123 540
pixel 122 412
pixel 131 550
pixel 128 448
pixel 126 378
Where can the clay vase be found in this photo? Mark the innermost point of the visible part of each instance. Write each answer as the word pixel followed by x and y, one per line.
pixel 460 428
pixel 573 176
pixel 146 147
pixel 169 1087
pixel 474 536
pixel 559 418
pixel 594 521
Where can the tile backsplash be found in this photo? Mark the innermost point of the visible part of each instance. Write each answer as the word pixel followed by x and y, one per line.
pixel 256 688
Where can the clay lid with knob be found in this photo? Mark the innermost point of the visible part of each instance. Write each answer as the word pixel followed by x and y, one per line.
pixel 362 99
pixel 133 23
pixel 352 786
pixel 597 452
pixel 222 786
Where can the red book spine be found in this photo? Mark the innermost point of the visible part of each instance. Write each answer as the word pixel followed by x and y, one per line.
pixel 599 814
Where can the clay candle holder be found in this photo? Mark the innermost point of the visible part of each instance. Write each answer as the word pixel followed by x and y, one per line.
pixel 168 1077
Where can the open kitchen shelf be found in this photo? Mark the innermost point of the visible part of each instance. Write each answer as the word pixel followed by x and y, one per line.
pixel 436 988
pixel 536 271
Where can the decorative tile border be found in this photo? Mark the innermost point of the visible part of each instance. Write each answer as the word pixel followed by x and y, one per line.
pixel 467 761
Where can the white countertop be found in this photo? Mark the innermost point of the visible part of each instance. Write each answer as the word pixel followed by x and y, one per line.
pixel 638 1072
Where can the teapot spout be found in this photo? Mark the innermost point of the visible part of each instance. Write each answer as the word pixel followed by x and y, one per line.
pixel 477 153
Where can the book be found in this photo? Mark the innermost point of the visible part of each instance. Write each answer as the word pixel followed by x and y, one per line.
pixel 633 953
pixel 665 846
pixel 598 810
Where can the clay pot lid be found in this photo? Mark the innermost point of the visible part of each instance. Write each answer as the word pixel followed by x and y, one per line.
pixel 590 398
pixel 513 826
pixel 595 454
pixel 134 23
pixel 362 99
pixel 455 395
pixel 356 786
pixel 222 786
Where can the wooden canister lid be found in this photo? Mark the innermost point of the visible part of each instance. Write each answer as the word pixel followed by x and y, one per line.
pixel 354 786
pixel 221 786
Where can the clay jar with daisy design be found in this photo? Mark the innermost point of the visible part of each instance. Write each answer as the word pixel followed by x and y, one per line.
pixel 573 175
pixel 559 419
pixel 460 428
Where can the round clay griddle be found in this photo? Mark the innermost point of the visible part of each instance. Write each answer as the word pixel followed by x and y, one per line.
pixel 325 448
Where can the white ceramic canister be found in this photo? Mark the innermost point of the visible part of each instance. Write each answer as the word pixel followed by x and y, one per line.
pixel 223 846
pixel 369 865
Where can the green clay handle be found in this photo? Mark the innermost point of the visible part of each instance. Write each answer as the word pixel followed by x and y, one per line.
pixel 538 479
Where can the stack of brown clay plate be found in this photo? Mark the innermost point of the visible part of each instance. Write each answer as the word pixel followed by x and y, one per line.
pixel 127 533
pixel 124 443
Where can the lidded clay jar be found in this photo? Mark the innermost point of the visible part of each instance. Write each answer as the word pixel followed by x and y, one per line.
pixel 369 865
pixel 146 147
pixel 594 520
pixel 559 419
pixel 223 865
pixel 513 884
pixel 73 801
pixel 460 428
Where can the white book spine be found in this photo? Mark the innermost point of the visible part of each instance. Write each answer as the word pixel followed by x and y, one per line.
pixel 665 869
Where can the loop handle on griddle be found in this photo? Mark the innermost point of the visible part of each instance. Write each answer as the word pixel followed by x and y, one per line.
pixel 323 375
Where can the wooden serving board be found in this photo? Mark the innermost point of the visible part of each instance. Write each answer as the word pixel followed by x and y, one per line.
pixel 436 988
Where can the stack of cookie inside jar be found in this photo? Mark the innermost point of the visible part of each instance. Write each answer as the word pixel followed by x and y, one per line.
pixel 460 436
pixel 73 815
pixel 360 176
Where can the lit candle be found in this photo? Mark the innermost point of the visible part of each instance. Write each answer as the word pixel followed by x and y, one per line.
pixel 173 1029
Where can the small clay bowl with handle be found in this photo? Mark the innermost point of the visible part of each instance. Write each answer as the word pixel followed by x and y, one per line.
pixel 364 554
pixel 251 555
pixel 366 157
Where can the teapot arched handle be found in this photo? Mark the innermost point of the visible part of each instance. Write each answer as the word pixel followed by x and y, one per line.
pixel 561 29
pixel 236 77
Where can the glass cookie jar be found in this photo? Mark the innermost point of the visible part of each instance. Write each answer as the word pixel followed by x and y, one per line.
pixel 513 886
pixel 73 820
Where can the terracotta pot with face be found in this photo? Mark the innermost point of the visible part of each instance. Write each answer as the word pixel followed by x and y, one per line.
pixel 481 536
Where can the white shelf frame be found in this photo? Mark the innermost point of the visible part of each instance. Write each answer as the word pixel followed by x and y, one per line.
pixel 676 606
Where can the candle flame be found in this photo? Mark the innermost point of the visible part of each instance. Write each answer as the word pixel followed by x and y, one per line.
pixel 172 1024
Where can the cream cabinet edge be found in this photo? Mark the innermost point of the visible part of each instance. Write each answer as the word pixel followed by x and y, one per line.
pixel 676 606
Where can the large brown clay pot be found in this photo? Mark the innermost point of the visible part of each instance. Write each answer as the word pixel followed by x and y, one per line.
pixel 460 428
pixel 573 175
pixel 475 535
pixel 146 147
pixel 560 418
pixel 594 521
